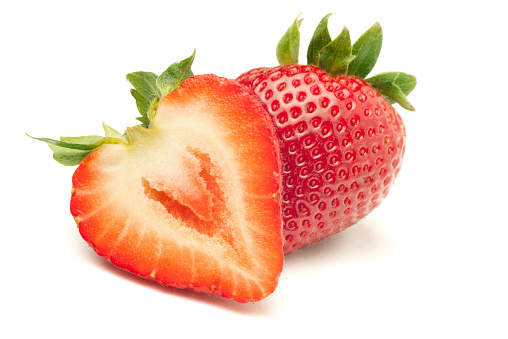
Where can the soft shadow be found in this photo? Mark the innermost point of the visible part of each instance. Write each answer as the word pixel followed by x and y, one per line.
pixel 363 241
pixel 84 252
pixel 259 308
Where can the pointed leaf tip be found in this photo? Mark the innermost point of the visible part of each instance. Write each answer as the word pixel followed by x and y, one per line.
pixel 394 86
pixel 150 88
pixel 366 49
pixel 70 151
pixel 143 83
pixel 142 104
pixel 144 91
pixel 288 47
pixel 175 75
pixel 320 39
pixel 111 132
pixel 335 57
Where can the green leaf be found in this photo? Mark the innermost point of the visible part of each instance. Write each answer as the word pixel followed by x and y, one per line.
pixel 142 105
pixel 320 39
pixel 144 91
pixel 394 86
pixel 144 83
pixel 174 76
pixel 406 82
pixel 71 151
pixel 85 143
pixel 366 49
pixel 335 57
pixel 67 156
pixel 288 47
pixel 111 132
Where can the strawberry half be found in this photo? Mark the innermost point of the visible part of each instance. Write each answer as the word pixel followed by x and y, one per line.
pixel 190 198
pixel 341 140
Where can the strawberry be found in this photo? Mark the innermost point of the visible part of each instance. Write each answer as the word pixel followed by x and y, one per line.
pixel 341 140
pixel 189 198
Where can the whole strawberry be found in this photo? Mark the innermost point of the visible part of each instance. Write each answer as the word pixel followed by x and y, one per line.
pixel 341 140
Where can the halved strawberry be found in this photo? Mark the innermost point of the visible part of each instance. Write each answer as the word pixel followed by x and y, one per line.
pixel 190 198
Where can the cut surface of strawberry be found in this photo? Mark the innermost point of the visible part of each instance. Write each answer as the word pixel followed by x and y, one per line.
pixel 192 199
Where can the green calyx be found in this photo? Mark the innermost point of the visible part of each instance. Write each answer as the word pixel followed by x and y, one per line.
pixel 70 151
pixel 148 90
pixel 339 58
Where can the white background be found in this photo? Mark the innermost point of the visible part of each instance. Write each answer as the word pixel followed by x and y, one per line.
pixel 430 262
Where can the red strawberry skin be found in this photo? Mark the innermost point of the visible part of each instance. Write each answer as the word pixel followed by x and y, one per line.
pixel 193 200
pixel 341 148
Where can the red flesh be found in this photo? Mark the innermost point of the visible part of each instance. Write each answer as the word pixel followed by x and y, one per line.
pixel 215 225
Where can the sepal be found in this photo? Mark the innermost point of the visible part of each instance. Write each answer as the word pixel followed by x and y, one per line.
pixel 147 91
pixel 175 75
pixel 149 87
pixel 320 39
pixel 366 49
pixel 340 58
pixel 335 57
pixel 288 47
pixel 144 91
pixel 70 151
pixel 394 86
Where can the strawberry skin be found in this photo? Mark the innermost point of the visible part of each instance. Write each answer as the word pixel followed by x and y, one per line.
pixel 341 141
pixel 192 201
pixel 341 148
